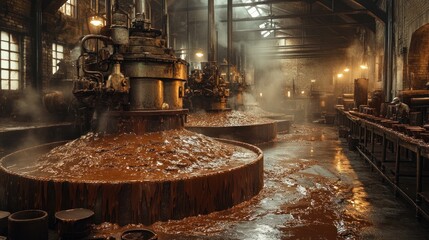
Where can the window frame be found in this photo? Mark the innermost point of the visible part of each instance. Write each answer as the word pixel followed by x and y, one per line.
pixel 72 4
pixel 55 53
pixel 19 61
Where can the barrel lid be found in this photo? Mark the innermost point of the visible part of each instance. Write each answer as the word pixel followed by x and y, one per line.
pixel 74 214
pixel 139 233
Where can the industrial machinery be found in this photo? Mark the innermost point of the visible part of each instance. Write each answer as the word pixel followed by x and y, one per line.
pixel 237 85
pixel 129 74
pixel 207 89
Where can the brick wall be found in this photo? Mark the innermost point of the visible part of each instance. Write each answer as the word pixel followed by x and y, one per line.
pixel 410 16
pixel 16 17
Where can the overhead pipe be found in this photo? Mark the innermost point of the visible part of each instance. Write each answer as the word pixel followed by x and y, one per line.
pixel 248 4
pixel 309 26
pixel 307 15
pixel 211 32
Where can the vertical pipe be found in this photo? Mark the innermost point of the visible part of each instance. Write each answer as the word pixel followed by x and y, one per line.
pixel 166 23
pixel 405 83
pixel 229 44
pixel 108 6
pixel 163 3
pixel 140 8
pixel 419 179
pixel 211 32
pixel 188 34
pixel 216 52
pixel 37 43
pixel 133 10
pixel 388 49
pixel 243 61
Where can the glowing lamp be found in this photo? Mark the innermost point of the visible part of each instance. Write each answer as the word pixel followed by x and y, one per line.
pixel 96 21
pixel 363 66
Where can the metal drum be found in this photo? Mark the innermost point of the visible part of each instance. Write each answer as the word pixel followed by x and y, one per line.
pixel 28 224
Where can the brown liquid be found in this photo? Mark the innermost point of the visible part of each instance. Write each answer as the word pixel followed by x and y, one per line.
pixel 225 119
pixel 130 157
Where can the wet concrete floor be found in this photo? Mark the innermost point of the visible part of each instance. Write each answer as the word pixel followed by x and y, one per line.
pixel 315 188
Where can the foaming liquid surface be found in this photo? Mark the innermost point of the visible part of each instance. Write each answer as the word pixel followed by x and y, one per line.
pixel 130 157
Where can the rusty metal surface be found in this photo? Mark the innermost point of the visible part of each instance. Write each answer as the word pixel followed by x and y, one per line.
pixel 155 69
pixel 146 93
pixel 173 94
pixel 140 122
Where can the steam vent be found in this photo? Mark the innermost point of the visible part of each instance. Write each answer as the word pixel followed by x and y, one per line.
pixel 215 119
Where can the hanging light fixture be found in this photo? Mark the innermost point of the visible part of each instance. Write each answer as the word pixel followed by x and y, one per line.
pixel 364 66
pixel 199 53
pixel 97 20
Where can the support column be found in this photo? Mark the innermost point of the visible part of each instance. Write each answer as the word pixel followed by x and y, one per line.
pixel 388 52
pixel 229 46
pixel 37 81
pixel 211 32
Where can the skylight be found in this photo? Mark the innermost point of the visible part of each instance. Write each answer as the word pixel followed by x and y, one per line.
pixel 258 11
pixel 253 11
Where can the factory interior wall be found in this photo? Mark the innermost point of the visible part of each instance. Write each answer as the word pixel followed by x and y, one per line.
pixel 275 77
pixel 409 16
pixel 410 19
pixel 16 17
pixel 418 58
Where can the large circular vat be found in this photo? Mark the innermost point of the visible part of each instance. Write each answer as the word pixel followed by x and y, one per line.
pixel 234 125
pixel 254 134
pixel 129 178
